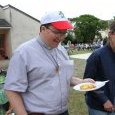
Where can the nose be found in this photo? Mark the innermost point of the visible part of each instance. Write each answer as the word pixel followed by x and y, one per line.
pixel 60 37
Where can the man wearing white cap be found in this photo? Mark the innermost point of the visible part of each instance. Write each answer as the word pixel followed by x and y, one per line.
pixel 40 72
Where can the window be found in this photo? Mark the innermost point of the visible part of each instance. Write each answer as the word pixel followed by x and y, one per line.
pixel 2 47
pixel 1 41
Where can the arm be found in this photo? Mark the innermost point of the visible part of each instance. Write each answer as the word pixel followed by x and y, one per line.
pixel 16 82
pixel 16 102
pixel 10 110
pixel 75 80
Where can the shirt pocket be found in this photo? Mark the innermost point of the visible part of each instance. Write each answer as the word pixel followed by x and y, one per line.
pixel 67 68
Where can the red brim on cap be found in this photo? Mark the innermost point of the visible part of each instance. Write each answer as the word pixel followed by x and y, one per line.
pixel 62 25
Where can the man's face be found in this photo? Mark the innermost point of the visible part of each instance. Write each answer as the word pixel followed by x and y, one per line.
pixel 112 40
pixel 53 36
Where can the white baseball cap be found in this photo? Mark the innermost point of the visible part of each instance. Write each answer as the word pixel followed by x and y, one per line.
pixel 57 19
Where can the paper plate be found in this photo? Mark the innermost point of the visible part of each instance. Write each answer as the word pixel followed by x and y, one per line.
pixel 97 84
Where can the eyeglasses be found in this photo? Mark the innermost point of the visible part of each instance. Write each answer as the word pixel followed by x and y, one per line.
pixel 112 32
pixel 59 32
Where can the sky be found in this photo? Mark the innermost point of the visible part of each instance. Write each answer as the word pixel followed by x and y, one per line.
pixel 102 9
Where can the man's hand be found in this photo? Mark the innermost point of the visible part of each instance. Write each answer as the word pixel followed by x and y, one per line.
pixel 88 80
pixel 76 80
pixel 108 106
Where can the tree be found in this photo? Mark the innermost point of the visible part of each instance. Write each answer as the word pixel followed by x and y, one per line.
pixel 113 17
pixel 87 27
pixel 70 37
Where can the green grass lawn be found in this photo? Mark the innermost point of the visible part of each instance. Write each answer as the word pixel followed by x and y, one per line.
pixel 77 104
pixel 75 51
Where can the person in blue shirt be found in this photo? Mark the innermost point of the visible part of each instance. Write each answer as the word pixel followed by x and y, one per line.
pixel 100 66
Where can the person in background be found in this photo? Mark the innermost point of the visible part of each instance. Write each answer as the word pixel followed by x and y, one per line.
pixel 100 67
pixel 40 72
pixel 4 104
pixel 104 41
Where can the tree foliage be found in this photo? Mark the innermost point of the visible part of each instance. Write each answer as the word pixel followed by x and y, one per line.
pixel 87 27
pixel 70 37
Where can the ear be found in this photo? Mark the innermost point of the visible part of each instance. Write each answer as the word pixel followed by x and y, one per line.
pixel 43 28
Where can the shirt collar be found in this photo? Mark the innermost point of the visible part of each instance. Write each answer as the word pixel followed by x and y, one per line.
pixel 40 40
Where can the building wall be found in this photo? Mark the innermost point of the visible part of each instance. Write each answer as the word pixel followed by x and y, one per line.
pixel 23 27
pixel 1 13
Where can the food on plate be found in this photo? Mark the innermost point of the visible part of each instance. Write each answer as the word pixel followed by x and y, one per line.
pixel 87 86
